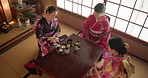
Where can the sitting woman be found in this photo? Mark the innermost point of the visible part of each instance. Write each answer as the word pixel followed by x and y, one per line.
pixel 115 65
pixel 96 27
pixel 47 30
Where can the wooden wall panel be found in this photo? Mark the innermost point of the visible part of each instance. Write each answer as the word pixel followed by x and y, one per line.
pixel 70 20
pixel 6 11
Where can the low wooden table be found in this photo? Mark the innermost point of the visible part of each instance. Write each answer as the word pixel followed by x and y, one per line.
pixel 73 65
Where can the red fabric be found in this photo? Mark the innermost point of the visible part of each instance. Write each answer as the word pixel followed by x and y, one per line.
pixel 101 26
pixel 30 65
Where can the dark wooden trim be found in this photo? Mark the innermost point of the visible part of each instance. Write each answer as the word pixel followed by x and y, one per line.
pixel 138 57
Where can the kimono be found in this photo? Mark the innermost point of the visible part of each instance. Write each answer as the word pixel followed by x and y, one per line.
pixel 43 30
pixel 112 68
pixel 97 31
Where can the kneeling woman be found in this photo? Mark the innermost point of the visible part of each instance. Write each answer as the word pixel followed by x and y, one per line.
pixel 47 29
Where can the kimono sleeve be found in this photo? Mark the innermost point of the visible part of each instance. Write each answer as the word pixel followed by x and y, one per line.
pixel 39 33
pixel 57 27
pixel 42 40
pixel 86 26
pixel 57 31
pixel 35 24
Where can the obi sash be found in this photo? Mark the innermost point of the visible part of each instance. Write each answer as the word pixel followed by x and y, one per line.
pixel 97 33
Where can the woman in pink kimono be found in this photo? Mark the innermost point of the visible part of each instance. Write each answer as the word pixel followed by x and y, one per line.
pixel 96 27
pixel 112 66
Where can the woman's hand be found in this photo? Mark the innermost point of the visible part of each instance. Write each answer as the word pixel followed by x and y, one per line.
pixel 53 40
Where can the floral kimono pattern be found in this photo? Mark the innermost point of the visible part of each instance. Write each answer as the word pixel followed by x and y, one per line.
pixel 113 68
pixel 97 31
pixel 43 30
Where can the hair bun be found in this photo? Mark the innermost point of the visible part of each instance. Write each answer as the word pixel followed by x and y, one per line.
pixel 126 45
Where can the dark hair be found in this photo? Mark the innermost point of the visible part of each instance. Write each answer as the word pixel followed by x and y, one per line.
pixel 117 43
pixel 51 9
pixel 100 7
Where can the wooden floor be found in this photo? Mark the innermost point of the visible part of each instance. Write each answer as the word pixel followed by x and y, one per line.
pixel 12 61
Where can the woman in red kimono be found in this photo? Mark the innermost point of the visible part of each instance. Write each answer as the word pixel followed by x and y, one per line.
pixel 96 27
